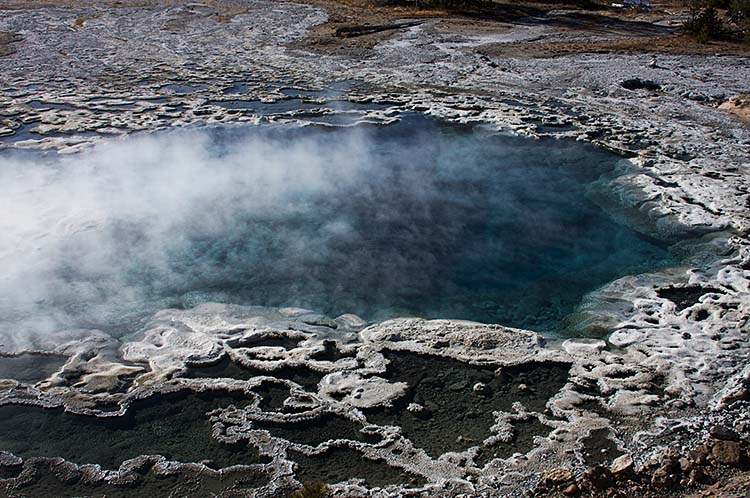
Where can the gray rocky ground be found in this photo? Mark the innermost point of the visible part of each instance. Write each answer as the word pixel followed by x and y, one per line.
pixel 673 361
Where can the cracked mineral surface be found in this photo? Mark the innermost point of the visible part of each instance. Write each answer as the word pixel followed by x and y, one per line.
pixel 200 396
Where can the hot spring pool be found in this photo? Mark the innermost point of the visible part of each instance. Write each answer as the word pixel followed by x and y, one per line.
pixel 415 218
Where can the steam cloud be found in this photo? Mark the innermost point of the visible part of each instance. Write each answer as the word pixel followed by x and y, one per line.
pixel 413 218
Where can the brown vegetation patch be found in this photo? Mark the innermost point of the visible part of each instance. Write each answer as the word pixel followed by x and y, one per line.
pixel 349 13
pixel 739 106
pixel 597 27
pixel 674 44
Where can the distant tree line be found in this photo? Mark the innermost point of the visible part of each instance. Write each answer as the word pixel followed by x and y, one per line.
pixel 712 19
pixel 475 5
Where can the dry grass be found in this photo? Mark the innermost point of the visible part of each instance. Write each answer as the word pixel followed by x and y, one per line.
pixel 738 106
pixel 627 30
pixel 80 22
pixel 677 44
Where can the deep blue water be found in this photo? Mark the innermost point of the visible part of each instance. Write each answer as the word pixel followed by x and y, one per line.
pixel 448 222
pixel 416 218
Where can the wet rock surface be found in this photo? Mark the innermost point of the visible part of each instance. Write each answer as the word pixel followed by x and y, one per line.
pixel 175 426
pixel 452 406
pixel 50 478
pixel 687 296
pixel 340 464
pixel 372 399
pixel 30 368
pixel 420 398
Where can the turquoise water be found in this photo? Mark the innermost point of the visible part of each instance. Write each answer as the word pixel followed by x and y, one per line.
pixel 415 218
pixel 445 221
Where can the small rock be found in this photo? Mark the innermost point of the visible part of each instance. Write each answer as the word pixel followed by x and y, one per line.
pixel 663 479
pixel 698 476
pixel 571 490
pixel 699 454
pixel 420 411
pixel 640 84
pixel 622 467
pixel 724 433
pixel 727 453
pixel 699 459
pixel 685 465
pixel 558 477
pixel 670 455
pixel 523 388
pixel 462 439
pixel 652 463
pixel 599 478
pixel 480 388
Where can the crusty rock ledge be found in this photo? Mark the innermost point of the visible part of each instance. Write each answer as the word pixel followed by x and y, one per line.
pixel 613 392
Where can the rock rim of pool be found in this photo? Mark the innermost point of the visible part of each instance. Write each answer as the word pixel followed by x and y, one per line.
pixel 669 358
pixel 607 387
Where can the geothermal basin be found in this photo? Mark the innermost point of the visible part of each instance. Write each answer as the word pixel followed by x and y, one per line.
pixel 174 270
pixel 418 218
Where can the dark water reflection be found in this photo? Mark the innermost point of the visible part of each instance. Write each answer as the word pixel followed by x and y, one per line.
pixel 416 218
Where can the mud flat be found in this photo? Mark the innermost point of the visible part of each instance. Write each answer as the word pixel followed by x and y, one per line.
pixel 647 363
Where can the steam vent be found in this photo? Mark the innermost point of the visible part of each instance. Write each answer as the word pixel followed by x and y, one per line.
pixel 374 249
